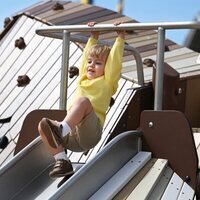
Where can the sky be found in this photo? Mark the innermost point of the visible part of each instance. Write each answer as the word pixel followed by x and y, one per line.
pixel 140 10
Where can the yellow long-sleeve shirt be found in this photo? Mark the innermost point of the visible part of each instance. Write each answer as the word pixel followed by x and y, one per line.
pixel 100 90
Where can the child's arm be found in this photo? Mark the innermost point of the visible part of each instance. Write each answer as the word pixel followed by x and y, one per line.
pixel 91 41
pixel 114 62
pixel 94 34
pixel 121 33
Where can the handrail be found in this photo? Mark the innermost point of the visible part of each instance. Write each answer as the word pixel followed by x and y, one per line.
pixel 64 31
pixel 125 26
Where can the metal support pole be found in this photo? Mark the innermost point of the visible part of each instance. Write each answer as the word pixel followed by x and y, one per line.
pixel 64 70
pixel 159 69
pixel 139 66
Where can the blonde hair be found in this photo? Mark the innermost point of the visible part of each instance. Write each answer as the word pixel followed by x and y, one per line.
pixel 98 51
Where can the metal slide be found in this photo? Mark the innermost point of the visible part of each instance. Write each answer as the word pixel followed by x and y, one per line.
pixel 26 175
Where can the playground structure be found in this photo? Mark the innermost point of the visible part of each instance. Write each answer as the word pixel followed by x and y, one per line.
pixel 163 132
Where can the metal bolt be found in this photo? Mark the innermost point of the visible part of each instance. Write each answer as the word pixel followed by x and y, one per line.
pixel 179 90
pixel 150 124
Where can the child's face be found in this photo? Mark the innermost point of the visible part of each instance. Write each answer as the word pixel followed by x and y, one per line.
pixel 95 66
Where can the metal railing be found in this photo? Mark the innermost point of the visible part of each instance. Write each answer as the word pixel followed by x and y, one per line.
pixel 63 32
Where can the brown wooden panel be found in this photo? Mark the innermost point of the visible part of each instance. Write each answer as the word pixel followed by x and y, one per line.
pixel 153 46
pixel 139 38
pixel 130 120
pixel 168 135
pixel 84 17
pixel 45 7
pixel 80 15
pixel 104 17
pixel 68 10
pixel 122 18
pixel 192 105
pixel 153 51
pixel 174 90
pixel 36 10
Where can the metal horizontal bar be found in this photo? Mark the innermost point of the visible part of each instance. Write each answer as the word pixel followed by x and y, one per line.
pixel 125 26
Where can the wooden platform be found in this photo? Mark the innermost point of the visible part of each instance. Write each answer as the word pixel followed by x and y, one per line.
pixel 156 181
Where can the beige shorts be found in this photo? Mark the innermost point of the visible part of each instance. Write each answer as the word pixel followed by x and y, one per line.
pixel 86 134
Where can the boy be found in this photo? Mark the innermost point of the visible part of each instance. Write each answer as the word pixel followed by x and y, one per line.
pixel 81 129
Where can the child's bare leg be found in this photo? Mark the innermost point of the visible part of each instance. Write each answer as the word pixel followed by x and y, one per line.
pixel 80 109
